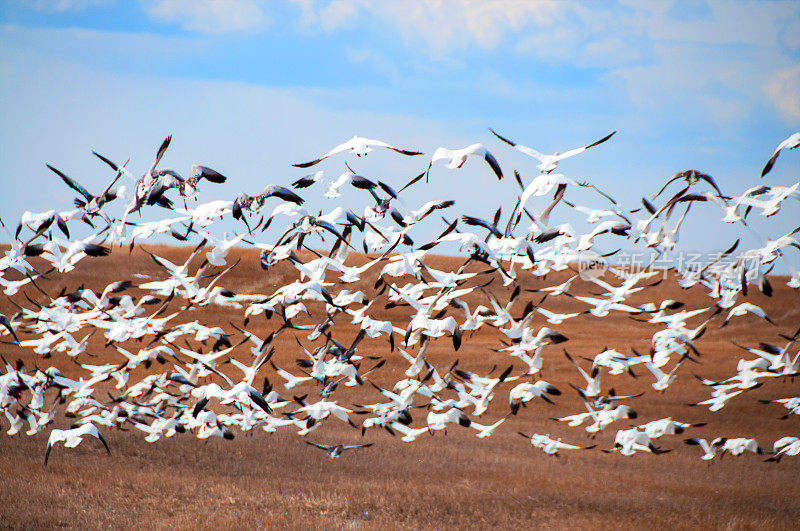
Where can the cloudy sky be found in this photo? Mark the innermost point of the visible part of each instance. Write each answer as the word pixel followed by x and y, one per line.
pixel 250 87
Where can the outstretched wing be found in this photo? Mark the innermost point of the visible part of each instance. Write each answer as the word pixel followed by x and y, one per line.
pixel 356 446
pixel 489 158
pixel 72 184
pixel 280 192
pixel 204 172
pixel 325 447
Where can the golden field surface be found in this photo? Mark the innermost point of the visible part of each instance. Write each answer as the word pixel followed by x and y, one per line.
pixel 448 480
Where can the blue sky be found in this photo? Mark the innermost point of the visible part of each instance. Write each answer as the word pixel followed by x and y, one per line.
pixel 250 87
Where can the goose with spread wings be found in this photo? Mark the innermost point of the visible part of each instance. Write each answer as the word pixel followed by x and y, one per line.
pixel 457 157
pixel 255 203
pixel 548 163
pixel 72 438
pixel 358 145
pixel 336 450
pixel 92 203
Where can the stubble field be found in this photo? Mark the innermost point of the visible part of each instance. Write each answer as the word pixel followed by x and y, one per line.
pixel 450 479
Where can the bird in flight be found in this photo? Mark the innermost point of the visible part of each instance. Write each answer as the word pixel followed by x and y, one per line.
pixel 358 145
pixel 790 143
pixel 457 157
pixel 336 450
pixel 548 163
pixel 72 438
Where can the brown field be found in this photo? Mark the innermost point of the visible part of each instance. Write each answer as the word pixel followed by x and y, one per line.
pixel 451 480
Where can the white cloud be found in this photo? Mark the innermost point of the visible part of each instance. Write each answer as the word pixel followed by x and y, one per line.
pixel 704 65
pixel 784 90
pixel 210 16
pixel 440 25
pixel 748 23
pixel 336 14
pixel 686 84
pixel 558 45
pixel 572 45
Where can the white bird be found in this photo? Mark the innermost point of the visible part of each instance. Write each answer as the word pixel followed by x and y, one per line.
pixel 663 380
pixel 785 446
pixel 457 157
pixel 526 391
pixel 592 382
pixel 409 434
pixel 417 363
pixel 656 428
pixel 719 399
pixel 616 362
pixel 593 215
pixel 332 190
pixel 739 445
pixel 606 416
pixel 552 446
pixel 560 289
pixel 556 318
pixel 358 145
pixel 159 427
pixel 439 421
pixel 541 185
pixel 486 430
pixel 204 214
pixel 790 143
pixel 628 442
pixel 792 404
pixel 603 306
pixel 743 309
pixel 218 253
pixel 322 409
pixel 710 449
pixel 548 163
pixel 291 380
pixel 73 437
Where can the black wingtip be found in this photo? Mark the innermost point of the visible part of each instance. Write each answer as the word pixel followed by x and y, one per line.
pixel 504 139
pixel 306 164
pixel 769 164
pixel 601 140
pixel 494 165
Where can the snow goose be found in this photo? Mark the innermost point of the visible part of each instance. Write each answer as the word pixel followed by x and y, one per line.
pixel 790 143
pixel 336 450
pixel 457 157
pixel 548 163
pixel 358 145
pixel 72 438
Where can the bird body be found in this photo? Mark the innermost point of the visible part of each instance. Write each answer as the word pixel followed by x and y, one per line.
pixel 72 438
pixel 457 157
pixel 358 145
pixel 548 163
pixel 336 450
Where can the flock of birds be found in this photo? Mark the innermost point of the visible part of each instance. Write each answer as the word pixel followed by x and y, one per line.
pixel 213 381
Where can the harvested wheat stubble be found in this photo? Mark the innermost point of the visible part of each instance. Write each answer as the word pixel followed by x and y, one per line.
pixel 453 480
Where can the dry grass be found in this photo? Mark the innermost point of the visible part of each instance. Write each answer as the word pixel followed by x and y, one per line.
pixel 453 480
